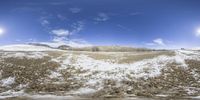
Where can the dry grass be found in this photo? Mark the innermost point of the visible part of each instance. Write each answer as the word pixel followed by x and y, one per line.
pixel 26 71
pixel 174 80
pixel 128 58
pixel 110 90
pixel 55 54
pixel 125 57
pixel 112 49
pixel 35 74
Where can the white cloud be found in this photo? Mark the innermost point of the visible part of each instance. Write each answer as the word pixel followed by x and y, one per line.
pixel 63 35
pixel 45 22
pixel 61 17
pixel 102 17
pixel 61 32
pixel 77 27
pixel 59 39
pixel 157 42
pixel 75 10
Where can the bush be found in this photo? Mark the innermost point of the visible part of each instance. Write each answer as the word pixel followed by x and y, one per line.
pixel 95 49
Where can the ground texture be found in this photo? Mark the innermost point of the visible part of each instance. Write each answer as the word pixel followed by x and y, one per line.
pixel 100 74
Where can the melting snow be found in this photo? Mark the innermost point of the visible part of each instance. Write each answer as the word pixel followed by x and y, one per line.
pixel 107 70
pixel 11 93
pixel 33 55
pixel 8 81
pixel 85 91
pixel 152 65
pixel 23 47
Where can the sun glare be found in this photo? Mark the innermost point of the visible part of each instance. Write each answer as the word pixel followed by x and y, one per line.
pixel 198 32
pixel 1 31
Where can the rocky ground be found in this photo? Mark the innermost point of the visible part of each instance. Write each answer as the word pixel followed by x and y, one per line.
pixel 174 74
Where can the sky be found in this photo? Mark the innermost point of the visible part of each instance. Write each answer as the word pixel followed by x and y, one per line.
pixel 137 23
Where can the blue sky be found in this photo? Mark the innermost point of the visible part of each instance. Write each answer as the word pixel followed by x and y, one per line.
pixel 141 23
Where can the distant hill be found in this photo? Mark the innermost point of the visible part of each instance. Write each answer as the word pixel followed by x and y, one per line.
pixel 112 49
pixel 39 44
pixel 44 47
pixel 64 47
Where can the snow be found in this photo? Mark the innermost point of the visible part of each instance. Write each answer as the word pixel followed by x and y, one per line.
pixel 8 81
pixel 154 65
pixel 50 97
pixel 106 70
pixel 25 47
pixel 189 52
pixel 85 91
pixel 54 74
pixel 11 93
pixel 196 97
pixel 196 48
pixel 162 95
pixel 21 55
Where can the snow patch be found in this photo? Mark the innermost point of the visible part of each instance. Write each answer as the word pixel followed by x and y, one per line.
pixel 24 47
pixel 54 74
pixel 8 81
pixel 153 65
pixel 85 91
pixel 32 55
pixel 11 93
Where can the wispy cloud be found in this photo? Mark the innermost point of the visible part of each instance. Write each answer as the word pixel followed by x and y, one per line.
pixel 135 13
pixel 61 17
pixel 124 27
pixel 157 42
pixel 75 10
pixel 59 39
pixel 61 35
pixel 45 22
pixel 101 17
pixel 27 9
pixel 61 32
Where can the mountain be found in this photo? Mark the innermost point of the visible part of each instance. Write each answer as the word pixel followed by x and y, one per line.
pixel 64 47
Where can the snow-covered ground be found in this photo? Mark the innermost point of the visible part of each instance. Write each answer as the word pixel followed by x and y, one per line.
pixel 24 47
pixel 96 71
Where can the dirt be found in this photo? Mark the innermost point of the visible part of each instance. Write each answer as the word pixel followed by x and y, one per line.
pixel 175 80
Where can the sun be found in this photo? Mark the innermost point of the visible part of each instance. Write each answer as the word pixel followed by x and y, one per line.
pixel 198 32
pixel 1 31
